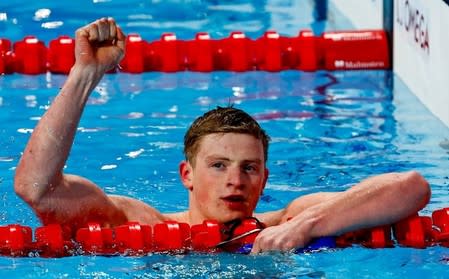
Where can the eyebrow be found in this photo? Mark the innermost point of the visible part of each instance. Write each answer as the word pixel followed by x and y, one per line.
pixel 221 158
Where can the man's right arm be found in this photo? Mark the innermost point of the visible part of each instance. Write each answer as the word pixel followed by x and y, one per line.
pixel 39 180
pixel 40 169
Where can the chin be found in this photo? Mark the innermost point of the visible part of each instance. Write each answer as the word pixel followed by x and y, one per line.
pixel 232 216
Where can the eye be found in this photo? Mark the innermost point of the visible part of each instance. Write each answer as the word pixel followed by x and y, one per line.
pixel 249 168
pixel 218 165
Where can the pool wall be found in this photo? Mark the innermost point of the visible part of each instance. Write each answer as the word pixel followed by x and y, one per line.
pixel 420 43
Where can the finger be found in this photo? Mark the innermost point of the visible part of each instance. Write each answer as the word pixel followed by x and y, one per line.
pixel 92 30
pixel 103 30
pixel 81 33
pixel 112 28
pixel 255 251
pixel 81 41
pixel 256 246
pixel 121 38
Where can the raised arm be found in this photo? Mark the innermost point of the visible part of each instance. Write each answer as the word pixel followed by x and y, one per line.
pixel 379 200
pixel 39 180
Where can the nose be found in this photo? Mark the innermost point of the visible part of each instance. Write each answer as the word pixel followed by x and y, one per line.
pixel 236 177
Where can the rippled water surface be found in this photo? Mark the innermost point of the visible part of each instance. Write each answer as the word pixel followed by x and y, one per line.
pixel 329 130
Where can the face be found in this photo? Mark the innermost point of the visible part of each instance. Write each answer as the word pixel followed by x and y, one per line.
pixel 227 179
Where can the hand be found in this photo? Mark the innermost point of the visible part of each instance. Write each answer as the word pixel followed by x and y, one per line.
pixel 284 237
pixel 100 44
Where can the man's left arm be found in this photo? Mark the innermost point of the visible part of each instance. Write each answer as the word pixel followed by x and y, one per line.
pixel 376 201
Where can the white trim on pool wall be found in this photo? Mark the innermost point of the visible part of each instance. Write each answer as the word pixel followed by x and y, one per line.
pixel 363 14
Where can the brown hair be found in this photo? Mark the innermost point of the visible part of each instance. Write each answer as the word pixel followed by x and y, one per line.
pixel 222 120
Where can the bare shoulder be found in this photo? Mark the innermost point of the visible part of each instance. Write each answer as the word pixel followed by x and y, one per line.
pixel 138 211
pixel 181 217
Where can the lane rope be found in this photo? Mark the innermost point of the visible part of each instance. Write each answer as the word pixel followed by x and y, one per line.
pixel 133 238
pixel 336 50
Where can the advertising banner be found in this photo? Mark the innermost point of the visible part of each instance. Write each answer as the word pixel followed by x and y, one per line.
pixel 421 51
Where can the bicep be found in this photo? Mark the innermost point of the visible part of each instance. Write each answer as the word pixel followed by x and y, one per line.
pixel 77 201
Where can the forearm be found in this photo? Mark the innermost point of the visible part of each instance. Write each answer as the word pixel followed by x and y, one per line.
pixel 50 143
pixel 376 201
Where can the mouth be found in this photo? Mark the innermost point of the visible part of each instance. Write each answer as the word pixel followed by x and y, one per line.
pixel 235 202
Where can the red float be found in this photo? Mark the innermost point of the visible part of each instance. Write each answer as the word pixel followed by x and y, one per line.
pixel 61 55
pixel 410 232
pixel 95 240
pixel 309 51
pixel 15 240
pixel 355 50
pixel 167 53
pixel 133 238
pixel 6 57
pixel 205 236
pixel 200 53
pixel 171 236
pixel 441 222
pixel 134 59
pixel 30 56
pixel 268 54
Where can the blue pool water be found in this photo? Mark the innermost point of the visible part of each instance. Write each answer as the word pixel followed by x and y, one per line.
pixel 329 130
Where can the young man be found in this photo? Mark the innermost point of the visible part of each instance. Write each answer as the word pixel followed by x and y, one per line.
pixel 224 171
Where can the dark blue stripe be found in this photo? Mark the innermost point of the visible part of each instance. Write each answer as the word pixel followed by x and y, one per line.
pixel 321 9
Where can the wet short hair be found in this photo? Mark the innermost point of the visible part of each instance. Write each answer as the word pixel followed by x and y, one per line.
pixel 222 120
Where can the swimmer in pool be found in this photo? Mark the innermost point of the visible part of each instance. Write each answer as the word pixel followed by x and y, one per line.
pixel 224 171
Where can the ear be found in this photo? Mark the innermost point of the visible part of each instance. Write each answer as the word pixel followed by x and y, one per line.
pixel 186 173
pixel 266 173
